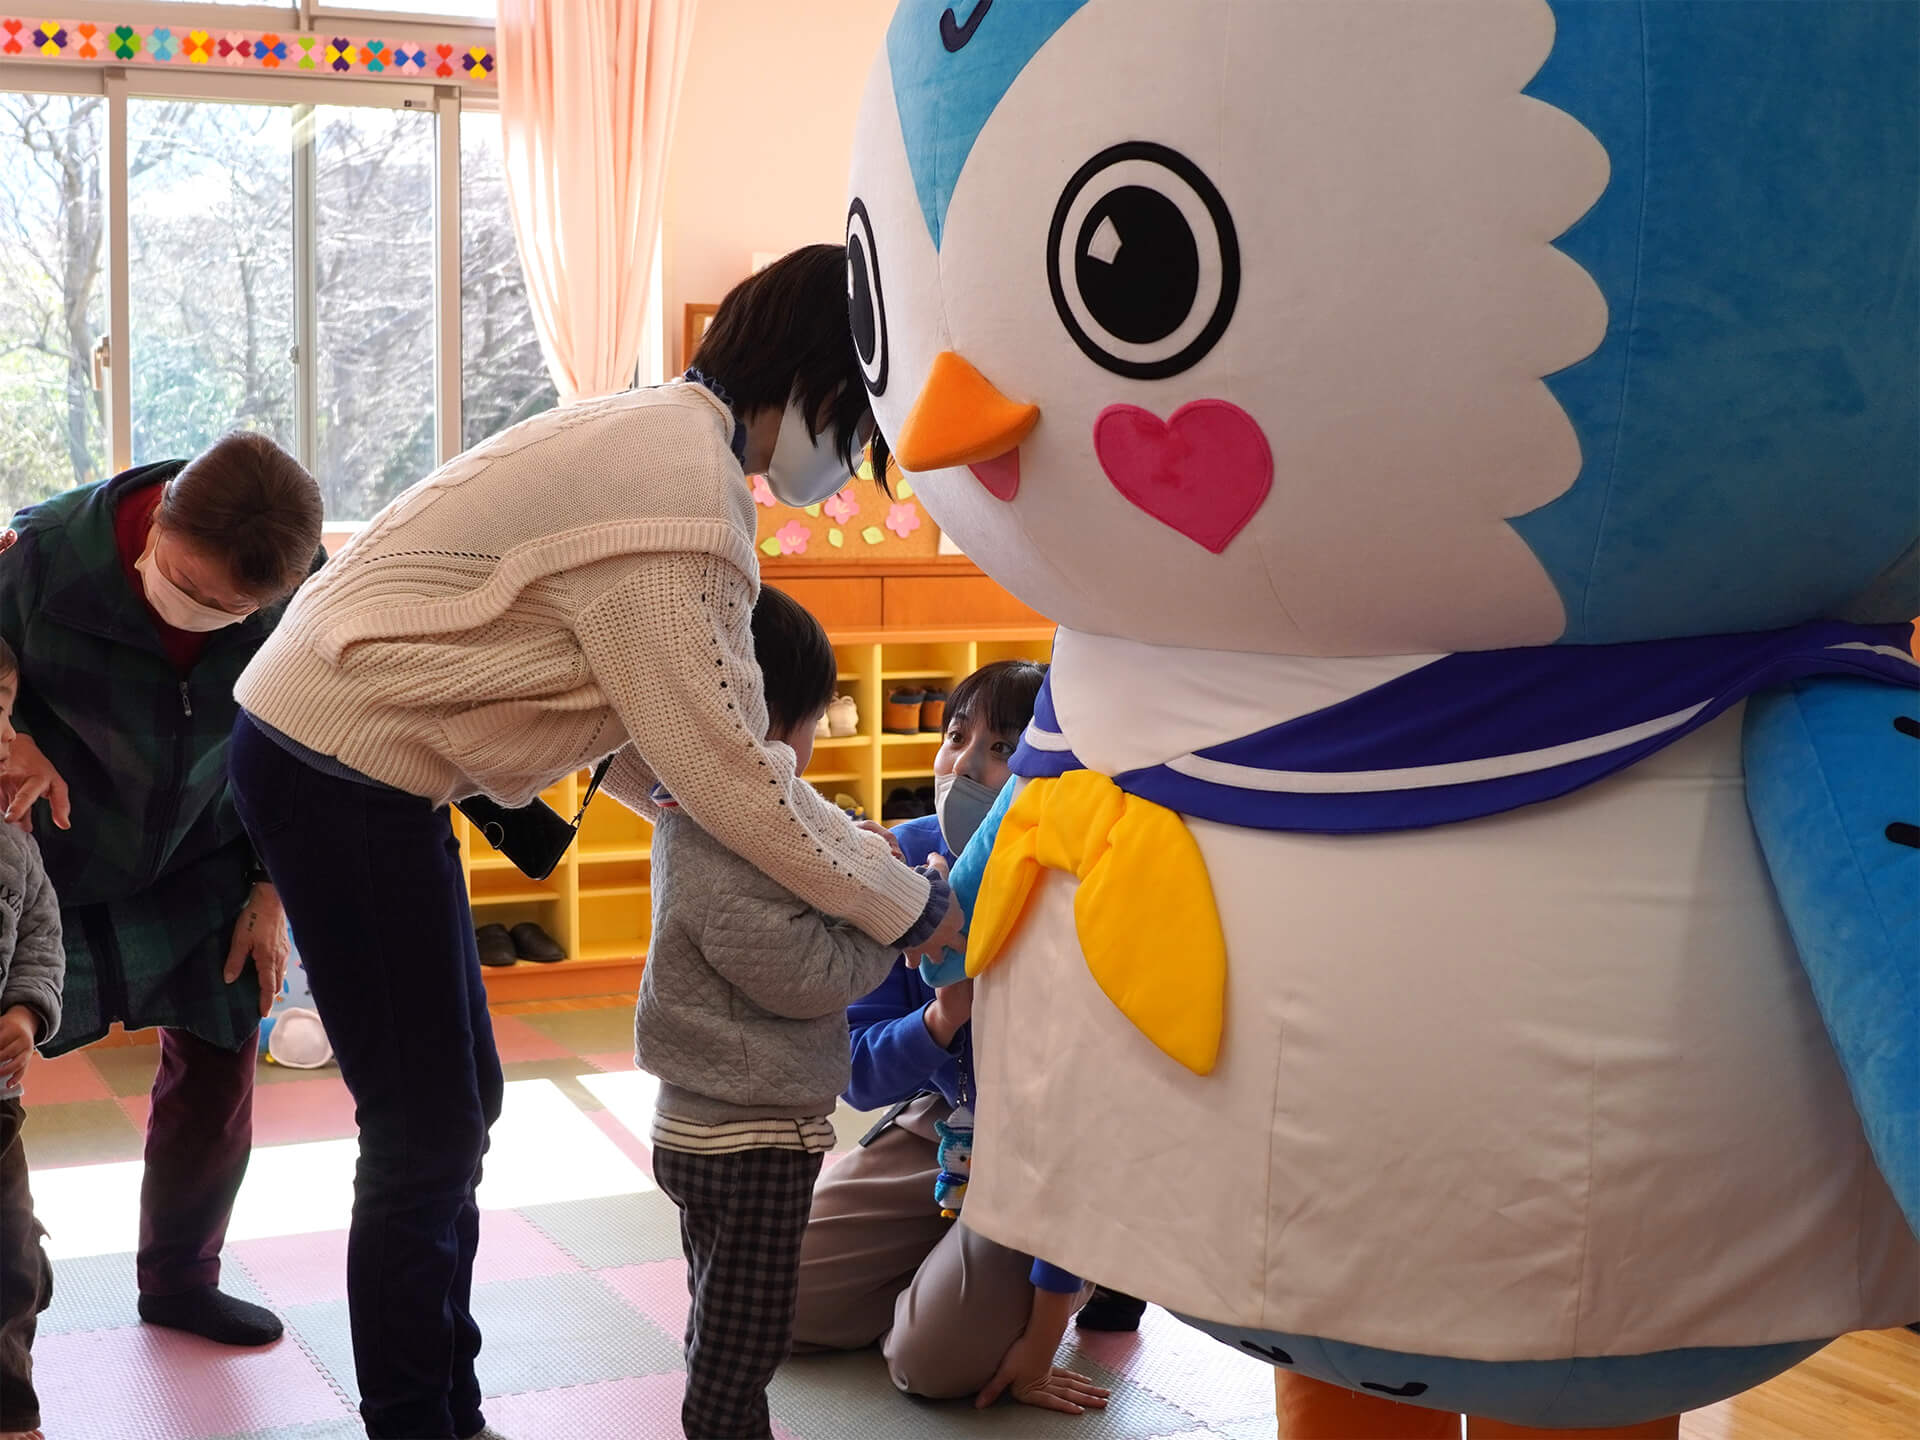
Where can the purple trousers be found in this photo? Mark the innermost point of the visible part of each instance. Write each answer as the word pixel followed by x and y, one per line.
pixel 199 1136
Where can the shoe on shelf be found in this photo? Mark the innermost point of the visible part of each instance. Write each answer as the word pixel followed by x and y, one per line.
pixel 933 713
pixel 843 718
pixel 821 729
pixel 496 945
pixel 855 810
pixel 1111 1310
pixel 530 942
pixel 902 715
pixel 213 1315
pixel 923 797
pixel 900 805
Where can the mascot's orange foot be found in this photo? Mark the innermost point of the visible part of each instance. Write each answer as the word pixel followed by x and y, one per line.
pixel 1313 1410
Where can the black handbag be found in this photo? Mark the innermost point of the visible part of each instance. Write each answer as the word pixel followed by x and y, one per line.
pixel 533 837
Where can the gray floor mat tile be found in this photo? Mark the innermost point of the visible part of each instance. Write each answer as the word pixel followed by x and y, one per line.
pixel 612 1230
pixel 558 1330
pixel 849 1397
pixel 97 1292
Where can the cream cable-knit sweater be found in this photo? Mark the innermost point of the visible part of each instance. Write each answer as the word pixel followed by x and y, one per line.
pixel 578 585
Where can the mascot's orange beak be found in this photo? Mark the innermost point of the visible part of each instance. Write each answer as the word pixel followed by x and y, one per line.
pixel 959 418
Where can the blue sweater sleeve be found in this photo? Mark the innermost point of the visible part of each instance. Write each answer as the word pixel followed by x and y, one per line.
pixel 1051 1277
pixel 893 1056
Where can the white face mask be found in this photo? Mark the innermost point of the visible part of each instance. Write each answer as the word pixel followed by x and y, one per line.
pixel 805 469
pixel 174 605
pixel 961 803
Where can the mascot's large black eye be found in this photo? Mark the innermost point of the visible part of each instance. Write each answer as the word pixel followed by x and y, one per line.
pixel 866 306
pixel 1143 261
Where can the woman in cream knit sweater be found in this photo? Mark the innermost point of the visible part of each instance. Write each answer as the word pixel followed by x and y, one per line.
pixel 576 587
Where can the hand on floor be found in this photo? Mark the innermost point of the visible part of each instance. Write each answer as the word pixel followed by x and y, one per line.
pixel 1029 1374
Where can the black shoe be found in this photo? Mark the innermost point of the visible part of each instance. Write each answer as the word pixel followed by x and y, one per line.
pixel 900 805
pixel 496 945
pixel 213 1315
pixel 530 942
pixel 923 798
pixel 1110 1310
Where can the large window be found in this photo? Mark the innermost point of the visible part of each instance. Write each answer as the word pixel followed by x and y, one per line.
pixel 291 265
pixel 53 419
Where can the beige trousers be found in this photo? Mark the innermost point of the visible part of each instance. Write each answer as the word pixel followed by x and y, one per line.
pixel 879 1264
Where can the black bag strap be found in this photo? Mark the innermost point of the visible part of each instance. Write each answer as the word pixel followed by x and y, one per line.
pixel 593 788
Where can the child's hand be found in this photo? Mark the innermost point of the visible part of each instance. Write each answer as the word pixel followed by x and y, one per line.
pixel 19 1028
pixel 893 842
pixel 28 777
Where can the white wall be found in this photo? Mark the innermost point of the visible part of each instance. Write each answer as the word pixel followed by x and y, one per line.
pixel 764 139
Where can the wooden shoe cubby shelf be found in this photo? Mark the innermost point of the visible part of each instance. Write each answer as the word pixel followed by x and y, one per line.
pixel 598 903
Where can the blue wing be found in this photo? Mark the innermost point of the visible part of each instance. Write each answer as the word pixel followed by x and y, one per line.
pixel 1833 780
pixel 968 871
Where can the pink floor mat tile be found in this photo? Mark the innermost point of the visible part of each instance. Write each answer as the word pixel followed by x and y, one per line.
pixel 170 1386
pixel 658 1290
pixel 70 1077
pixel 515 1039
pixel 612 1061
pixel 631 1145
pixel 609 1410
pixel 306 1269
pixel 300 1110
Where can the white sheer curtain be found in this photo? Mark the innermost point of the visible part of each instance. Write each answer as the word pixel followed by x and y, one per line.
pixel 588 94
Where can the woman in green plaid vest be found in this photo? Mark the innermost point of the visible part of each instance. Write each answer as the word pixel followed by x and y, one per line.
pixel 134 604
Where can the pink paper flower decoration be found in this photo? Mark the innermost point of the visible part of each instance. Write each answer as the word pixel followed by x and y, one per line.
pixel 903 520
pixel 793 537
pixel 762 492
pixel 842 507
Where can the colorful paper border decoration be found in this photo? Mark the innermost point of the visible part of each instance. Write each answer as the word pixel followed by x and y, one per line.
pixel 328 55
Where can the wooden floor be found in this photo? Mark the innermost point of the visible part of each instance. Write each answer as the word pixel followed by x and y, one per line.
pixel 1864 1387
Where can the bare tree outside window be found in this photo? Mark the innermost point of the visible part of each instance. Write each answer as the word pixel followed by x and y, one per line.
pixel 210 256
pixel 52 297
pixel 212 290
pixel 504 378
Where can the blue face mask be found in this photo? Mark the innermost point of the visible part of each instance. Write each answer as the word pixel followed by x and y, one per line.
pixel 961 803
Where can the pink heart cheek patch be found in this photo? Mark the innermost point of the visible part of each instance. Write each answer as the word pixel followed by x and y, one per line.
pixel 1205 471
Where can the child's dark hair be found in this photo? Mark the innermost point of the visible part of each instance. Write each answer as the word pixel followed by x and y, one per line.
pixel 796 660
pixel 9 662
pixel 786 333
pixel 999 696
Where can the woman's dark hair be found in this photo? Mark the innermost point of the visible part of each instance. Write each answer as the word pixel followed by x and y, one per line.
pixel 9 662
pixel 249 504
pixel 999 696
pixel 787 333
pixel 796 659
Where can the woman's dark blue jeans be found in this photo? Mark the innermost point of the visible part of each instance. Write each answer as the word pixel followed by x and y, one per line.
pixel 371 880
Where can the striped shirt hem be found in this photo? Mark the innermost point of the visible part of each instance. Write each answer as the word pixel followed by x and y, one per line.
pixel 813 1135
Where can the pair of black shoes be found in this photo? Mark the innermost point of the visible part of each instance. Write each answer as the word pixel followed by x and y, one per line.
pixel 905 804
pixel 526 941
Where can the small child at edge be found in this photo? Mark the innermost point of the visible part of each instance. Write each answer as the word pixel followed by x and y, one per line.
pixel 33 966
pixel 742 1015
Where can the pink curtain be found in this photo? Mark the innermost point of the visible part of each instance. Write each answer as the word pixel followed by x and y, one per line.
pixel 588 94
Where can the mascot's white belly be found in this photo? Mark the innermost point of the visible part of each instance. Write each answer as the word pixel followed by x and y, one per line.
pixel 1544 1084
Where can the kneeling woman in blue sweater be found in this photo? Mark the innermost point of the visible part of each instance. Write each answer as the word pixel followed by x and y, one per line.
pixel 954 1313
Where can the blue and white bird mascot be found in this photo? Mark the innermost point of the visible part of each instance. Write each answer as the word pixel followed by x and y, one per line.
pixel 1460 890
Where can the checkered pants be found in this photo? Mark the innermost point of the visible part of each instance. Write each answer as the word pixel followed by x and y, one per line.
pixel 741 1219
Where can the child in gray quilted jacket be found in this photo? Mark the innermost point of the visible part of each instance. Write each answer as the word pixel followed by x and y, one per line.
pixel 32 966
pixel 743 1017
